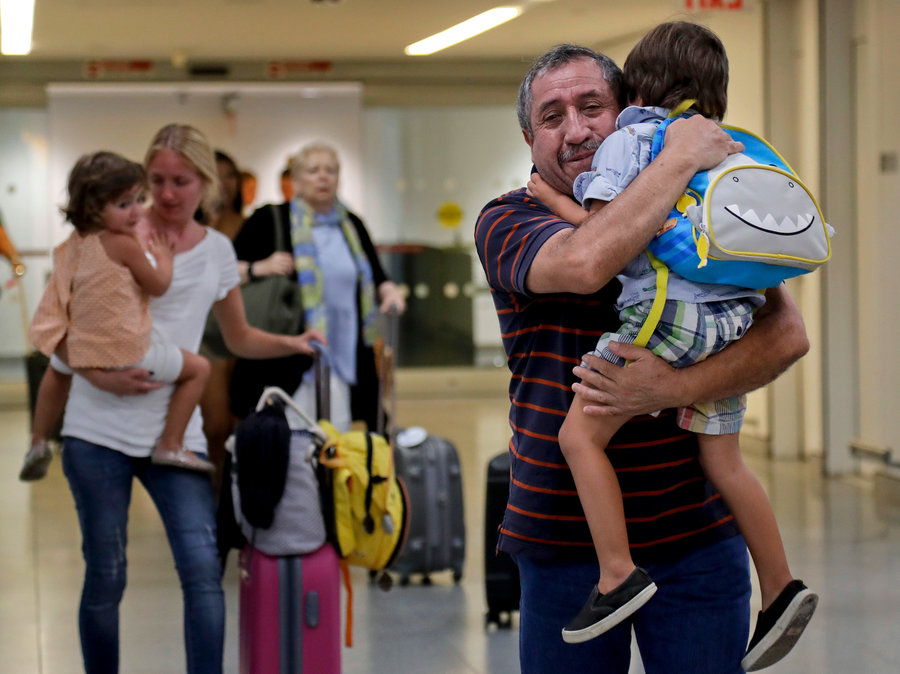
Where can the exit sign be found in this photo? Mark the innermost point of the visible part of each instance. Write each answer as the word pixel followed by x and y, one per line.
pixel 727 5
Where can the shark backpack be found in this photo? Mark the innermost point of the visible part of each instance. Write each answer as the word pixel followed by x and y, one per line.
pixel 750 221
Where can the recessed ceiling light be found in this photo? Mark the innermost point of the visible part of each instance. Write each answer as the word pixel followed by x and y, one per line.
pixel 463 31
pixel 16 23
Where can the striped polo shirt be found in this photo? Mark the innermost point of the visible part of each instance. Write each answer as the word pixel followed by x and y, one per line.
pixel 670 508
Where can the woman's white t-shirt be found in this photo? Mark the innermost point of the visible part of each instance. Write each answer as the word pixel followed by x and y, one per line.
pixel 132 424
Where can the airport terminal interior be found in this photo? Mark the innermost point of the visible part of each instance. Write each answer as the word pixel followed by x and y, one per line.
pixel 424 144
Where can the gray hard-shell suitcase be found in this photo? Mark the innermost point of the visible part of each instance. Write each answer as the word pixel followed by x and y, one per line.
pixel 429 466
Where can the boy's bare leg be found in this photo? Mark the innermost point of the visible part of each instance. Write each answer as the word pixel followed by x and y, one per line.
pixel 787 603
pixel 583 442
pixel 186 396
pixel 622 588
pixel 720 457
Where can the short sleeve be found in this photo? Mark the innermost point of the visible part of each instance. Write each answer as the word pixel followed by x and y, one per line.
pixel 616 163
pixel 508 235
pixel 225 260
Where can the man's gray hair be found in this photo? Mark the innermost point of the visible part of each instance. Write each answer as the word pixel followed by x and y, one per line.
pixel 558 56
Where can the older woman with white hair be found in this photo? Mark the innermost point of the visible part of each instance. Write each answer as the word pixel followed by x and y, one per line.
pixel 343 287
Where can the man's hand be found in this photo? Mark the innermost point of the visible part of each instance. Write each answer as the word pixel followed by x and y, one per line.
pixel 129 382
pixel 645 385
pixel 701 140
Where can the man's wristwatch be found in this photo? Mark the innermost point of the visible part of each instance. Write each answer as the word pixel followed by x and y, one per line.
pixel 250 275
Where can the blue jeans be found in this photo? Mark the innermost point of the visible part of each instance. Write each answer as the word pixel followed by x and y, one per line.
pixel 101 481
pixel 697 622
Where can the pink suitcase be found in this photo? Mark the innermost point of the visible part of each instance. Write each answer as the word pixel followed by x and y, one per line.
pixel 290 619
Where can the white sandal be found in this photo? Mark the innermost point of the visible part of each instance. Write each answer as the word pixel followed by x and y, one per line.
pixel 37 460
pixel 181 458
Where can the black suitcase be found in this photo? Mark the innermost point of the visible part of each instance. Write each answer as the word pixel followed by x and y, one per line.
pixel 429 467
pixel 501 575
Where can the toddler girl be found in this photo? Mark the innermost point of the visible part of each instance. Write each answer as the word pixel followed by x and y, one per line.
pixel 95 310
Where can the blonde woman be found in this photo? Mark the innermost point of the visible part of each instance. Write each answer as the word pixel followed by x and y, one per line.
pixel 108 436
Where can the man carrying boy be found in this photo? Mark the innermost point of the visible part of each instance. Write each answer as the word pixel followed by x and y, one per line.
pixel 553 290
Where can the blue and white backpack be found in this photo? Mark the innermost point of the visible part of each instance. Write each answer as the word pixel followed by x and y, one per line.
pixel 750 221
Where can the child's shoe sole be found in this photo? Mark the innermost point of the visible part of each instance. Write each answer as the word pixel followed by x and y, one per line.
pixel 781 638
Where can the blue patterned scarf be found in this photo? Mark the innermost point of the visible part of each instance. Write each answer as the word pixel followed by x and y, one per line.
pixel 309 271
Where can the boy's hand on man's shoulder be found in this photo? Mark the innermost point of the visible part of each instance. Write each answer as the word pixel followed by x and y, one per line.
pixel 701 141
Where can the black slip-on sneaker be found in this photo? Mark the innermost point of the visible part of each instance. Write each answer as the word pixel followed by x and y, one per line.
pixel 779 627
pixel 602 612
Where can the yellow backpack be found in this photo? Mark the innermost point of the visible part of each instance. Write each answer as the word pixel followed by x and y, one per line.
pixel 365 504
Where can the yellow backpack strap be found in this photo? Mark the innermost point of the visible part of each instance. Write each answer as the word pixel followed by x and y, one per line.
pixel 684 106
pixel 662 271
pixel 348 586
pixel 656 309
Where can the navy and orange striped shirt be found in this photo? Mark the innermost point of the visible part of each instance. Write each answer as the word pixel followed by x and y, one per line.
pixel 670 508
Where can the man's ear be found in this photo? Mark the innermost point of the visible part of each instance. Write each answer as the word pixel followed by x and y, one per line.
pixel 528 137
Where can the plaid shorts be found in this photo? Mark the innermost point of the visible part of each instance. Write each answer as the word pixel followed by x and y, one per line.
pixel 688 333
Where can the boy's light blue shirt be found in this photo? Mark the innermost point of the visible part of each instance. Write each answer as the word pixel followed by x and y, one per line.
pixel 617 162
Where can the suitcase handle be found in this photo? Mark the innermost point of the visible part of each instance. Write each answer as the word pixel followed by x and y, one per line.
pixel 322 373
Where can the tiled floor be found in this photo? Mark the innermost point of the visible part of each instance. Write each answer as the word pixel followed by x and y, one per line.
pixel 843 541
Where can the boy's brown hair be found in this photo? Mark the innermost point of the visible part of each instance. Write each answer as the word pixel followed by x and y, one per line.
pixel 96 180
pixel 676 61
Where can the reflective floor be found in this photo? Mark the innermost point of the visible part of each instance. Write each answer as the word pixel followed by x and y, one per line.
pixel 841 540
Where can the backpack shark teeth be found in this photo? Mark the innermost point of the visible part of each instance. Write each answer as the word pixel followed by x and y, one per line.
pixel 770 223
pixel 751 217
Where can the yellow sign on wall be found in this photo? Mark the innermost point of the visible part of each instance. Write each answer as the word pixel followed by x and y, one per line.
pixel 450 214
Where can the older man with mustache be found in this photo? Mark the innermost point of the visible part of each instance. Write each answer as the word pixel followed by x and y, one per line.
pixel 554 290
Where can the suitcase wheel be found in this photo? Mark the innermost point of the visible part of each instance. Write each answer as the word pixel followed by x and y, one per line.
pixel 502 619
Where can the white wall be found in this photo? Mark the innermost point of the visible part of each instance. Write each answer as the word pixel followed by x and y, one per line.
pixel 420 158
pixel 878 236
pixel 24 154
pixel 266 124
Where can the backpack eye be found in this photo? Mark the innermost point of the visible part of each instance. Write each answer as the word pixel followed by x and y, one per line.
pixel 790 184
pixel 736 179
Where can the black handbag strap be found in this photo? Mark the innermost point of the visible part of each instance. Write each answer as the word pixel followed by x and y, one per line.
pixel 280 244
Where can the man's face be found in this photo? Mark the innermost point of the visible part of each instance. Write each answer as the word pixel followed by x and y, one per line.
pixel 573 111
